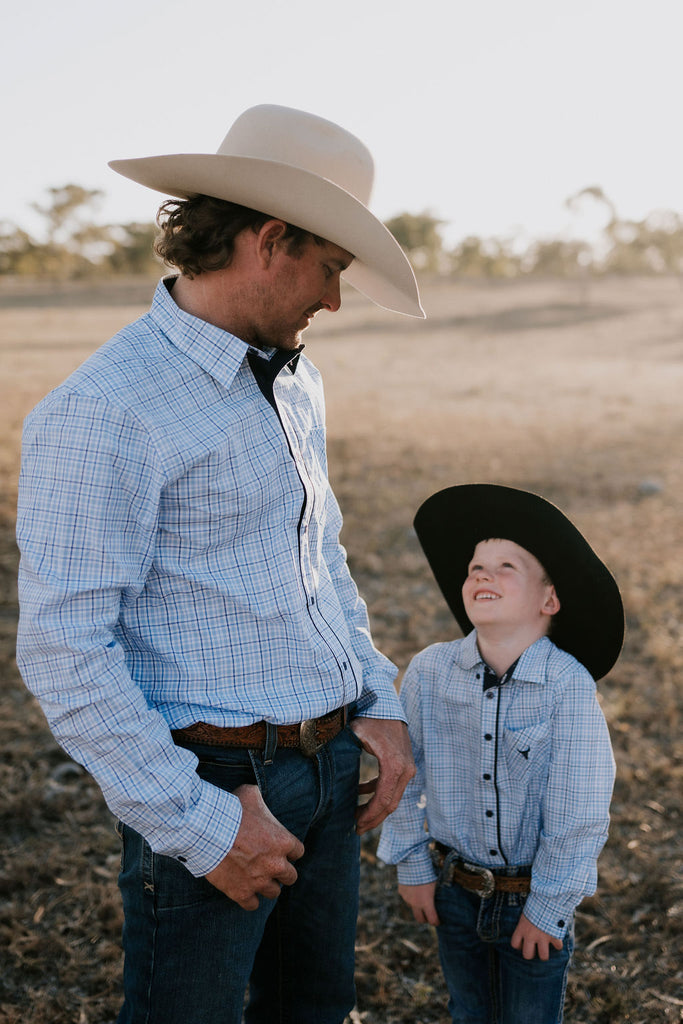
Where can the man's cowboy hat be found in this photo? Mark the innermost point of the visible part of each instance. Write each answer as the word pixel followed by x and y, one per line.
pixel 304 170
pixel 450 524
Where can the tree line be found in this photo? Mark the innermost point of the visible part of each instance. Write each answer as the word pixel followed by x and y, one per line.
pixel 75 247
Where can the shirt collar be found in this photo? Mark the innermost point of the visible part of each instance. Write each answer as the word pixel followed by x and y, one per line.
pixel 531 664
pixel 216 351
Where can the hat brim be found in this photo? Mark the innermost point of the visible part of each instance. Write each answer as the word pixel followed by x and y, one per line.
pixel 449 525
pixel 380 269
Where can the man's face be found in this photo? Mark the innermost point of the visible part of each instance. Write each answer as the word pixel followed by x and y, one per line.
pixel 507 586
pixel 299 287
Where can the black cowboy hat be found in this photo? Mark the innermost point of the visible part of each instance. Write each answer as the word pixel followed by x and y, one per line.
pixel 450 524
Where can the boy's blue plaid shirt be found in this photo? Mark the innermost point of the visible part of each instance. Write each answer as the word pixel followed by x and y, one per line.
pixel 520 774
pixel 181 563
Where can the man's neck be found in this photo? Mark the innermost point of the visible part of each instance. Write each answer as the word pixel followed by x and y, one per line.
pixel 207 297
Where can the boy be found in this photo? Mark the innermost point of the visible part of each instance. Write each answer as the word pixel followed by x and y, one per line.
pixel 497 837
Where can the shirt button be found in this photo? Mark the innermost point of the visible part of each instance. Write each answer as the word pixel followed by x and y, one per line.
pixel 489 695
pixel 560 923
pixel 489 814
pixel 494 853
pixel 183 860
pixel 487 777
pixel 478 676
pixel 488 736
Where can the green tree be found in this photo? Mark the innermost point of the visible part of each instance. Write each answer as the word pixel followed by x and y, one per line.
pixel 484 257
pixel 419 235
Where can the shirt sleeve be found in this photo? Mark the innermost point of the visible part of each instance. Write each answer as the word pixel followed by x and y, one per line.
pixel 89 494
pixel 575 811
pixel 404 840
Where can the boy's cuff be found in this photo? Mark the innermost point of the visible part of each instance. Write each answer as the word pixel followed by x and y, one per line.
pixel 551 916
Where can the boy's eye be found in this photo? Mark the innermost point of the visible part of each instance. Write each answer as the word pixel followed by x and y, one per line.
pixel 327 270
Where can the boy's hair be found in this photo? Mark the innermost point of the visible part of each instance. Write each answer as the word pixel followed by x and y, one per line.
pixel 198 234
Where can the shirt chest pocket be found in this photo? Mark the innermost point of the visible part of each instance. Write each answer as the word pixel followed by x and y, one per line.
pixel 527 751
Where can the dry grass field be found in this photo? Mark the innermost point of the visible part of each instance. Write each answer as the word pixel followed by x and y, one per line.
pixel 575 393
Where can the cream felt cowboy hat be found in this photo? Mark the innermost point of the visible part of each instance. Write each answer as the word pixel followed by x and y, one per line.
pixel 305 170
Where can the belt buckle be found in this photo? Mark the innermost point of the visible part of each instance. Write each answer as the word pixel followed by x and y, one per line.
pixel 308 740
pixel 486 876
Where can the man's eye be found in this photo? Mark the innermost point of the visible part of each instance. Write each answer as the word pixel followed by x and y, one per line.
pixel 328 270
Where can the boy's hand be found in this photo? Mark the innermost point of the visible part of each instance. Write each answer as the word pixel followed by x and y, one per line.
pixel 532 941
pixel 420 899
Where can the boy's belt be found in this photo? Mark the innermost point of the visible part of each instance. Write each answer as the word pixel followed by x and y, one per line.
pixel 308 736
pixel 475 878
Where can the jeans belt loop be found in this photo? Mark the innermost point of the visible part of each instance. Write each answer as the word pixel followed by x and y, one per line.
pixel 270 745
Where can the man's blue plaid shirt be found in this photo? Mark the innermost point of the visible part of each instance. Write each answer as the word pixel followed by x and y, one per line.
pixel 180 563
pixel 514 775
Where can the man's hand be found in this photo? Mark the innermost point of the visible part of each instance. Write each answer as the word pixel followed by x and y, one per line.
pixel 532 941
pixel 260 859
pixel 420 899
pixel 388 741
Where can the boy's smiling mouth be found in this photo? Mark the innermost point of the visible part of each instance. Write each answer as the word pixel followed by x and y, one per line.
pixel 486 595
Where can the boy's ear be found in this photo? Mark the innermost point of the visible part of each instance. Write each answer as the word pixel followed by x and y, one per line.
pixel 552 602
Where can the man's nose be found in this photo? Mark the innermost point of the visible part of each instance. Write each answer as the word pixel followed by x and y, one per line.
pixel 331 300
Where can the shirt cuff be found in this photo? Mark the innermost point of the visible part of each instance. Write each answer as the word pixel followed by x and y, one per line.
pixel 207 834
pixel 552 916
pixel 374 704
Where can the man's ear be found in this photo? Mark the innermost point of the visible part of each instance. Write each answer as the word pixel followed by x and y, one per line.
pixel 552 602
pixel 268 239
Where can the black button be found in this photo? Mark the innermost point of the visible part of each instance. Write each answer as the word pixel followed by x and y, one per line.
pixel 488 736
pixel 489 695
pixel 487 777
pixel 489 814
pixel 560 923
pixel 183 860
pixel 478 676
pixel 494 853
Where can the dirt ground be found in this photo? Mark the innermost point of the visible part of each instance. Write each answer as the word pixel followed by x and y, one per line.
pixel 572 392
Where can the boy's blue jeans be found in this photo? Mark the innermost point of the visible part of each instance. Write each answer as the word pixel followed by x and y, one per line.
pixel 488 981
pixel 191 953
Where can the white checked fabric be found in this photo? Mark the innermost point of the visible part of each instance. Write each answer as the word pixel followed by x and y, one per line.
pixel 521 774
pixel 181 563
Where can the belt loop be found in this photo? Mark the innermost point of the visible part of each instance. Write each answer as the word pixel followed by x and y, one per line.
pixel 271 743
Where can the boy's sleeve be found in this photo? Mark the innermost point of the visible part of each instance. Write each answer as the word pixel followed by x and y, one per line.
pixel 404 840
pixel 575 810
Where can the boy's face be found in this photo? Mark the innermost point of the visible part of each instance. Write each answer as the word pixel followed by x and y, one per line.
pixel 506 586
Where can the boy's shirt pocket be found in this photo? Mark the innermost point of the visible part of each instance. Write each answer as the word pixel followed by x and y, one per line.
pixel 526 751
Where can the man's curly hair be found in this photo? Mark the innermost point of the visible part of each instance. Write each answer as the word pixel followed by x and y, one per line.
pixel 198 234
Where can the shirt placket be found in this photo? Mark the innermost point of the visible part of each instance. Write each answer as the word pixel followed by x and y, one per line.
pixel 489 725
pixel 314 497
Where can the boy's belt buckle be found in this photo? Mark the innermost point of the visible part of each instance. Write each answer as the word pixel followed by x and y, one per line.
pixel 489 882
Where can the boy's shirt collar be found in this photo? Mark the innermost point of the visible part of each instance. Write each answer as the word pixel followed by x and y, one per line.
pixel 530 666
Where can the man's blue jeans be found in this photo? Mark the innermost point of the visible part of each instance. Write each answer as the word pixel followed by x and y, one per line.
pixel 191 953
pixel 488 981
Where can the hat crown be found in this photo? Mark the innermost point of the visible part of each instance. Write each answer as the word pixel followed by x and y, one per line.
pixel 299 139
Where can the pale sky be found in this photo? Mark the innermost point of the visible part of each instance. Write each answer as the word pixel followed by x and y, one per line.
pixel 486 113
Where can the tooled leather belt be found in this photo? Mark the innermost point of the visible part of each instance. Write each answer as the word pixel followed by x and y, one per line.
pixel 308 736
pixel 474 877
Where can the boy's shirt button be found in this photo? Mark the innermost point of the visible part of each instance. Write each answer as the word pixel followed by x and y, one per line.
pixel 489 814
pixel 487 777
pixel 488 736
